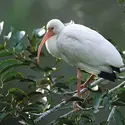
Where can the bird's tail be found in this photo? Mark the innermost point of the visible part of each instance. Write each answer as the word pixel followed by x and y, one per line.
pixel 108 76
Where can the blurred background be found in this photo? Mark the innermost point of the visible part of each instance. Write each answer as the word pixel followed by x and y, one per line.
pixel 105 16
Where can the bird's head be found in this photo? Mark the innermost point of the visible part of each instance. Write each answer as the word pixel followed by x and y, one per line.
pixel 53 27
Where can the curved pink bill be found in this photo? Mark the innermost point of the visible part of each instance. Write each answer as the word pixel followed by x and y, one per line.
pixel 48 34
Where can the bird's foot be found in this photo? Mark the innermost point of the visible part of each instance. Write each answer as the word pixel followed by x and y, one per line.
pixel 75 107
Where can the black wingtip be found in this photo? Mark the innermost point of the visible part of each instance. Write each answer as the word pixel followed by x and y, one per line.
pixel 108 76
pixel 115 69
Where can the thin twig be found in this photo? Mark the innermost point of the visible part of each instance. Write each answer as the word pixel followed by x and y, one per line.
pixel 115 88
pixel 70 112
pixel 111 115
pixel 65 115
pixel 122 69
pixel 57 93
pixel 81 91
pixel 49 111
pixel 97 82
pixel 68 107
pixel 89 108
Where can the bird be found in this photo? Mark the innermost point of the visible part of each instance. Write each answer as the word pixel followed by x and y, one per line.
pixel 82 47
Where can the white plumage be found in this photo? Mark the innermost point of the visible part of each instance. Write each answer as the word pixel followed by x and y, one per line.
pixel 82 47
pixel 51 44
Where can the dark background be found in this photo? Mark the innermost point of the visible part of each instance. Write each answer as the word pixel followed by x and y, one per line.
pixel 105 16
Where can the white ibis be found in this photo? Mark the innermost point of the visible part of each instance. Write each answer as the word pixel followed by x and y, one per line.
pixel 82 47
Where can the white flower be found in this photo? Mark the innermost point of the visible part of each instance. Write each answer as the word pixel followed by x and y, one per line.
pixel 1 26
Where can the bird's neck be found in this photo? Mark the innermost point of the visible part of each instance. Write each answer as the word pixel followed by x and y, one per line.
pixel 59 28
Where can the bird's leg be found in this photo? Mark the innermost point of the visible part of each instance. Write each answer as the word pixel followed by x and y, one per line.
pixel 79 86
pixel 78 81
pixel 87 81
pixel 75 107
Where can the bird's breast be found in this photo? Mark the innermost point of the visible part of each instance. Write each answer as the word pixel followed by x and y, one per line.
pixel 51 46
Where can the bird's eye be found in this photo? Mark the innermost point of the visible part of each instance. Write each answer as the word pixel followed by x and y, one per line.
pixel 52 28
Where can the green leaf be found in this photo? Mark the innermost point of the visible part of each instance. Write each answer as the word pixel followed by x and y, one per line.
pixel 120 1
pixel 1 47
pixel 118 103
pixel 32 50
pixel 64 121
pixel 58 78
pixel 71 81
pixel 5 63
pixel 75 99
pixel 97 98
pixel 104 123
pixel 88 117
pixel 7 37
pixel 2 97
pixel 44 81
pixel 60 85
pixel 15 40
pixel 11 75
pixel 25 118
pixel 33 42
pixel 10 63
pixel 16 37
pixel 119 119
pixel 36 34
pixel 32 82
pixel 18 94
pixel 33 108
pixel 49 70
pixel 120 94
pixel 119 99
pixel 19 47
pixel 5 52
pixel 35 96
pixel 39 32
pixel 106 103
pixel 28 80
pixel 3 116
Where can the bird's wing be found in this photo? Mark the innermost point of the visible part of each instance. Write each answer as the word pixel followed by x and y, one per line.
pixel 79 43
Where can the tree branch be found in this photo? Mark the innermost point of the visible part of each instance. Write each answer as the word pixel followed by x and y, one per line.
pixel 97 82
pixel 111 115
pixel 65 115
pixel 115 88
pixel 50 111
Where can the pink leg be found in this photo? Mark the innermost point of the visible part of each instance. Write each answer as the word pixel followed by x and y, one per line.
pixel 79 86
pixel 87 81
pixel 78 81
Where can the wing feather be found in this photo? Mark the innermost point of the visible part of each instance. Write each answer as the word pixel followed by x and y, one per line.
pixel 78 43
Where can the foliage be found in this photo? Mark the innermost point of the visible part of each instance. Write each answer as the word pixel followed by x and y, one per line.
pixel 120 1
pixel 35 103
